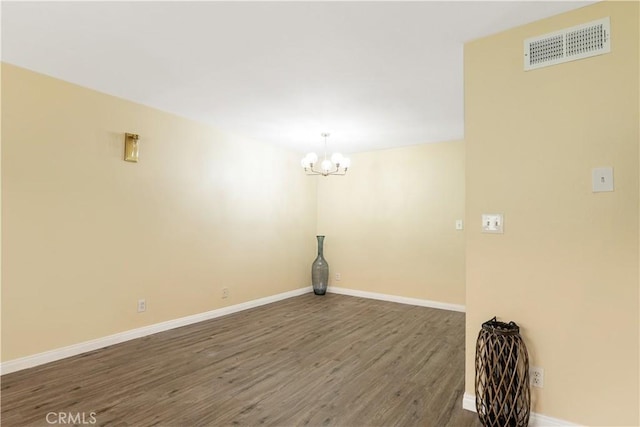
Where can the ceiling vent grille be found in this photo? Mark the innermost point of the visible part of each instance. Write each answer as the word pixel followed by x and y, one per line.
pixel 570 44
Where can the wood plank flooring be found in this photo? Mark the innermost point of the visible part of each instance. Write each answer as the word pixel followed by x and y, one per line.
pixel 330 360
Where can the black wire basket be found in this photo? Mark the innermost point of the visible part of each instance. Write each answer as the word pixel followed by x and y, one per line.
pixel 503 397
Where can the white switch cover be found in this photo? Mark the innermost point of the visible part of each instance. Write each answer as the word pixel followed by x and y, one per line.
pixel 602 179
pixel 459 225
pixel 492 223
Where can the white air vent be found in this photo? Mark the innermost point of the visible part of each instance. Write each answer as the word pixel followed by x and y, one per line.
pixel 581 41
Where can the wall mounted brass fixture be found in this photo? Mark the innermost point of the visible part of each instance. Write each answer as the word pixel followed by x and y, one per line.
pixel 131 147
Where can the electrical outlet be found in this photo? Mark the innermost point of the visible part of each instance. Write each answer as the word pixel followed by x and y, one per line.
pixel 536 376
pixel 142 305
pixel 338 277
pixel 225 293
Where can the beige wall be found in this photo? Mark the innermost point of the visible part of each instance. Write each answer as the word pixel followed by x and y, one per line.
pixel 566 268
pixel 390 222
pixel 85 234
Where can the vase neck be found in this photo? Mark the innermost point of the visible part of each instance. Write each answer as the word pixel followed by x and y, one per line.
pixel 320 245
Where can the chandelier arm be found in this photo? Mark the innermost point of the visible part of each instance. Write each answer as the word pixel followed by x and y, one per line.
pixel 336 172
pixel 312 171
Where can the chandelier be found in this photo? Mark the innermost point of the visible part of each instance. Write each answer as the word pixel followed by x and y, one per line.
pixel 338 164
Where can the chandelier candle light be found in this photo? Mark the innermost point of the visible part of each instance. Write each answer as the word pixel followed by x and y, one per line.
pixel 338 164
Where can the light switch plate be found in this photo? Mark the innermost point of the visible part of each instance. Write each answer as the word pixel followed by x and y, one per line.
pixel 459 224
pixel 492 223
pixel 602 179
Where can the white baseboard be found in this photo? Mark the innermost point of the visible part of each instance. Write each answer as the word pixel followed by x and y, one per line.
pixel 83 347
pixel 398 299
pixel 535 420
pixel 469 402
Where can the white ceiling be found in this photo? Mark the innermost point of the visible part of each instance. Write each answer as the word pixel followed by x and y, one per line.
pixel 374 74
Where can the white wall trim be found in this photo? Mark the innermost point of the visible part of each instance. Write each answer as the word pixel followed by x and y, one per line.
pixel 535 420
pixel 469 402
pixel 83 347
pixel 395 298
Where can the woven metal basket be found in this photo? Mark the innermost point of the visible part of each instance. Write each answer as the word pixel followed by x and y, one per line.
pixel 503 397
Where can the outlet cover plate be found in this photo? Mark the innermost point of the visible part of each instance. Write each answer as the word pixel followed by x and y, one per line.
pixel 536 376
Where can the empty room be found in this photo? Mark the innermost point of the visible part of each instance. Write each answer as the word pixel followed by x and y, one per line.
pixel 320 213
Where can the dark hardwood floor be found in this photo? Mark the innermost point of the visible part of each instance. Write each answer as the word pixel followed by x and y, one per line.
pixel 328 360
